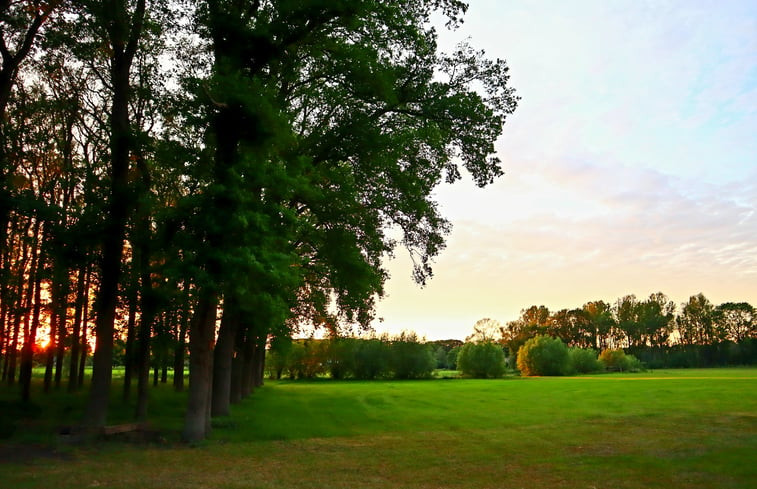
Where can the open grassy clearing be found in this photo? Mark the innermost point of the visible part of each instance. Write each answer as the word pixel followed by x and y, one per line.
pixel 682 428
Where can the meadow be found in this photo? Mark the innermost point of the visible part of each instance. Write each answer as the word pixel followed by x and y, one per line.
pixel 661 429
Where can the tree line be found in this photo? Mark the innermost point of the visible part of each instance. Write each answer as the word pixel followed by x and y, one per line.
pixel 660 333
pixel 204 177
pixel 403 356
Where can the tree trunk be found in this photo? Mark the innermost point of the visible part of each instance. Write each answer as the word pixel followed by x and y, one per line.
pixel 129 355
pixel 13 351
pixel 259 361
pixel 222 359
pixel 201 337
pixel 237 365
pixel 178 362
pixel 248 363
pixel 18 308
pixel 57 320
pixel 60 347
pixel 31 323
pixel 85 322
pixel 123 36
pixel 73 366
pixel 4 326
pixel 147 318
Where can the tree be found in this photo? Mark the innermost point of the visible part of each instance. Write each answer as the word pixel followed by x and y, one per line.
pixel 655 316
pixel 574 327
pixel 736 321
pixel 583 360
pixel 119 24
pixel 602 322
pixel 300 146
pixel 485 330
pixel 695 323
pixel 483 359
pixel 543 355
pixel 411 358
pixel 21 23
pixel 329 124
pixel 533 321
pixel 626 315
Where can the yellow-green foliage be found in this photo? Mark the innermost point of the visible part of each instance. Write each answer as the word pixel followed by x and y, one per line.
pixel 543 355
pixel 617 360
pixel 613 359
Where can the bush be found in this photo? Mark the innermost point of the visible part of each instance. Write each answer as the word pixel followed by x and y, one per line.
pixel 371 359
pixel 481 360
pixel 633 364
pixel 584 360
pixel 616 360
pixel 341 357
pixel 440 355
pixel 613 360
pixel 452 357
pixel 543 355
pixel 411 359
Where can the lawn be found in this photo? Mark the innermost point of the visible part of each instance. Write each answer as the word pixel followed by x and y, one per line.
pixel 666 429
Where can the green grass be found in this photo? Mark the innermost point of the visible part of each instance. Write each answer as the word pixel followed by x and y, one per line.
pixel 666 429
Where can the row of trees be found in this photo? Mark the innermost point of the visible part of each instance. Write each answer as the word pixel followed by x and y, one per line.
pixel 628 323
pixel 406 357
pixel 400 357
pixel 220 171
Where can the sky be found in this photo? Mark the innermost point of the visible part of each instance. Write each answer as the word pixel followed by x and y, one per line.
pixel 630 165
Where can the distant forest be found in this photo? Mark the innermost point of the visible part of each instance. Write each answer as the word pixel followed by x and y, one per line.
pixel 696 334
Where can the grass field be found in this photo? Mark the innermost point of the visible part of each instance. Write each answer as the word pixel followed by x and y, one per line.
pixel 666 429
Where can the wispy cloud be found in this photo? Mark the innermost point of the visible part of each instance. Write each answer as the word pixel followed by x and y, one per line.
pixel 631 163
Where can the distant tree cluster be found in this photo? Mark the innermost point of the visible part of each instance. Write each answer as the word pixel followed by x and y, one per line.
pixel 655 330
pixel 216 204
pixel 546 355
pixel 403 356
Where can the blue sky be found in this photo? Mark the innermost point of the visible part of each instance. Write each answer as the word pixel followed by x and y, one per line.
pixel 631 164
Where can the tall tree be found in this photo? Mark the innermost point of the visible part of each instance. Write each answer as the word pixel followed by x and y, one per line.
pixel 119 23
pixel 736 320
pixel 602 322
pixel 485 330
pixel 20 24
pixel 327 127
pixel 695 323
pixel 655 316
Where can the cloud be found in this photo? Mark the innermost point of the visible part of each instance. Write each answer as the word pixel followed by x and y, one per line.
pixel 631 164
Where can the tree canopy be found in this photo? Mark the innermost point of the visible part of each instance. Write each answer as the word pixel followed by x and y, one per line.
pixel 253 162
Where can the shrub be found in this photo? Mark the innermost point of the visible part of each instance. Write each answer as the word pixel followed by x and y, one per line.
pixel 584 360
pixel 341 357
pixel 371 359
pixel 452 357
pixel 277 358
pixel 440 355
pixel 411 359
pixel 481 360
pixel 543 355
pixel 633 364
pixel 614 360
